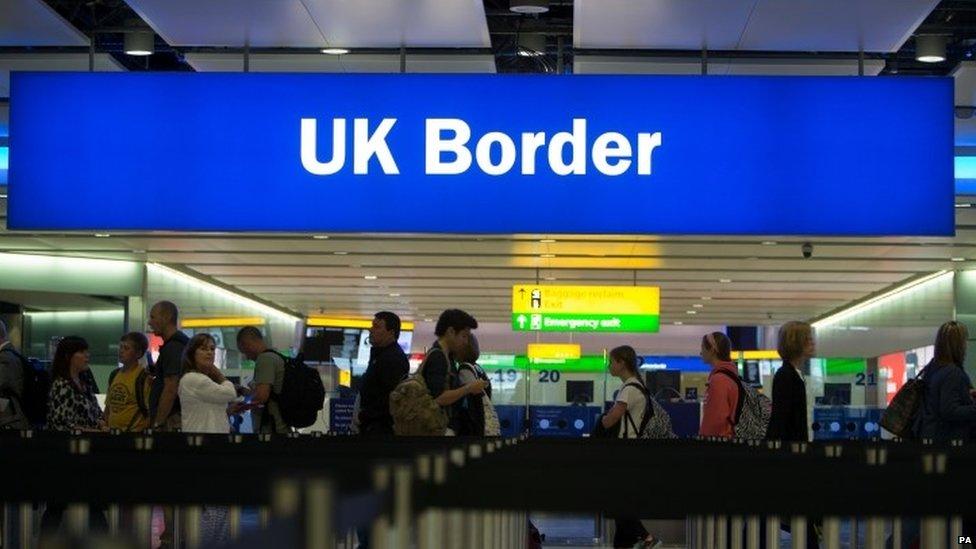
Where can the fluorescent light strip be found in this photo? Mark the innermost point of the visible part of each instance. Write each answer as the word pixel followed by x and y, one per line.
pixel 208 287
pixel 875 301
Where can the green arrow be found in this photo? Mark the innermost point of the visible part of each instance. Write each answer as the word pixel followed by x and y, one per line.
pixel 521 321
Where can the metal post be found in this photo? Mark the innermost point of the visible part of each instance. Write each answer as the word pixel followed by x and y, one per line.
pixel 177 527
pixel 77 515
pixel 473 529
pixel 403 59
pixel 896 532
pixel 772 532
pixel 114 518
pixel 855 532
pixel 247 56
pixel 721 532
pixel 559 61
pixel 704 61
pixel 26 526
pixel 874 533
pixel 454 528
pixel 192 518
pixel 933 533
pixel 709 531
pixel 319 530
pixel 955 528
pixel 798 525
pixel 91 53
pixel 738 526
pixel 753 526
pixel 142 525
pixel 380 530
pixel 264 517
pixel 234 522
pixel 831 532
pixel 402 512
pixel 860 62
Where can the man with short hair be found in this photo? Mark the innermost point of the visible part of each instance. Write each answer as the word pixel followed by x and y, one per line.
pixel 125 403
pixel 269 377
pixel 12 414
pixel 440 370
pixel 164 404
pixel 388 365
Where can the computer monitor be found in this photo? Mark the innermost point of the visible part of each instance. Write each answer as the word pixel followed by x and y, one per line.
pixel 578 392
pixel 837 394
pixel 663 383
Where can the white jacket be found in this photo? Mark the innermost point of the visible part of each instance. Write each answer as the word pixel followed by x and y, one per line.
pixel 204 403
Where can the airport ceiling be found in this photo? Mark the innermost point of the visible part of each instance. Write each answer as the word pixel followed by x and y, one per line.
pixel 735 280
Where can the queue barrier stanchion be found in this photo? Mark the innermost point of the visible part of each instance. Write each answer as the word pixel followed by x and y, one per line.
pixel 855 531
pixel 934 532
pixel 114 517
pixel 831 532
pixel 402 504
pixel 772 532
pixel 874 533
pixel 380 529
pixel 798 527
pixel 319 527
pixel 709 531
pixel 26 526
pixel 77 516
pixel 234 522
pixel 753 532
pixel 192 516
pixel 955 528
pixel 896 535
pixel 737 530
pixel 142 525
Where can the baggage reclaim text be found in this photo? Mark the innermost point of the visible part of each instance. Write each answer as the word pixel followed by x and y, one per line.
pixel 447 149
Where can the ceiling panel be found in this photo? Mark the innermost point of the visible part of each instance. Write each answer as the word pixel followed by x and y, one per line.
pixel 318 23
pixel 599 64
pixel 50 62
pixel 34 23
pixel 833 25
pixel 414 23
pixel 758 25
pixel 417 63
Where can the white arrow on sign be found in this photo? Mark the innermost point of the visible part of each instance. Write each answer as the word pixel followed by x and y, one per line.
pixel 521 321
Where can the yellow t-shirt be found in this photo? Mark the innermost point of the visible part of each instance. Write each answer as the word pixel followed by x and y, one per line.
pixel 121 402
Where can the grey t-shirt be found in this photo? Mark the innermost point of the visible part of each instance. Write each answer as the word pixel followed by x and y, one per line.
pixel 269 368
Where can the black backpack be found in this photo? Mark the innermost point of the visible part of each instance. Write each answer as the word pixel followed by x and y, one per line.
pixel 37 388
pixel 302 392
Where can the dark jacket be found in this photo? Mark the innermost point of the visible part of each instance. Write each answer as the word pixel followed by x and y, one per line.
pixel 789 418
pixel 387 368
pixel 948 412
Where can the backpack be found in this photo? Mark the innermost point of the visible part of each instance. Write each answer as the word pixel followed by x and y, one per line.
pixel 752 411
pixel 37 388
pixel 302 393
pixel 900 417
pixel 140 394
pixel 486 422
pixel 414 410
pixel 655 423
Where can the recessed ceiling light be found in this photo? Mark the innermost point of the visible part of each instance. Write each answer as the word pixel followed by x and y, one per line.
pixel 102 235
pixel 139 43
pixel 320 237
pixel 428 320
pixel 340 253
pixel 335 51
pixel 394 295
pixel 957 259
pixel 370 277
pixel 549 278
pixel 958 204
pixel 930 48
pixel 698 305
pixel 706 298
pixel 138 251
pixel 547 256
pixel 548 240
pixel 678 323
pixel 692 312
pixel 769 243
pixel 725 280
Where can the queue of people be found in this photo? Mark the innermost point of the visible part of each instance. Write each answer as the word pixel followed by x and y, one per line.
pixel 185 390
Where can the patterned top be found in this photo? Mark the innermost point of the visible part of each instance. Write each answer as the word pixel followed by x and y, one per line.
pixel 72 408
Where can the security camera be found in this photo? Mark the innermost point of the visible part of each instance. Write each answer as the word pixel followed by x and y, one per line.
pixel 807 250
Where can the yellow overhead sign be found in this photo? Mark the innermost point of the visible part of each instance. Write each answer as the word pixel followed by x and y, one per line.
pixel 330 322
pixel 222 322
pixel 614 300
pixel 554 350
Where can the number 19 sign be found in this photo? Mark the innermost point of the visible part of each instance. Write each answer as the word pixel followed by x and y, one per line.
pixel 539 308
